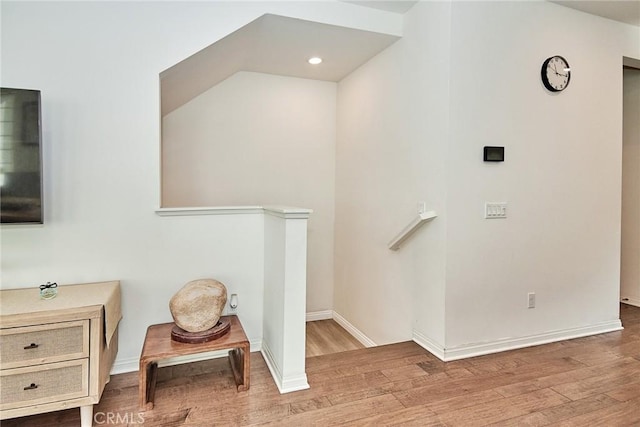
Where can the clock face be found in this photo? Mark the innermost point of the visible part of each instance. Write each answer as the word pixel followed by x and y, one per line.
pixel 555 73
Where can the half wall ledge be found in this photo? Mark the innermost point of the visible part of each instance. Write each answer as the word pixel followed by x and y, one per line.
pixel 285 283
pixel 280 211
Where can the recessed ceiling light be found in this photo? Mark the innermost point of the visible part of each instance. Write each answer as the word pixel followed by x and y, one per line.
pixel 315 60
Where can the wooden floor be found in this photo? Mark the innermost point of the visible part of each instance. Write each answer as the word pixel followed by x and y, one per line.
pixel 327 337
pixel 592 381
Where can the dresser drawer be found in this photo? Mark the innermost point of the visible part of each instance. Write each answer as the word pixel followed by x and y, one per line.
pixel 47 383
pixel 35 345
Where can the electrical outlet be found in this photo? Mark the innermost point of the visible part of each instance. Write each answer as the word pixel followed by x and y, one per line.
pixel 495 210
pixel 233 304
pixel 531 300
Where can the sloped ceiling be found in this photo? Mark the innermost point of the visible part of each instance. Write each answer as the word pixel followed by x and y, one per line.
pixel 274 45
pixel 280 45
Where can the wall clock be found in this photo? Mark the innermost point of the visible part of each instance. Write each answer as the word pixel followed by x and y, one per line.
pixel 555 73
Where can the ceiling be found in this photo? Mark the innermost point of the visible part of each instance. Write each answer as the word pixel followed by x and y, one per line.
pixel 396 6
pixel 272 44
pixel 280 45
pixel 627 11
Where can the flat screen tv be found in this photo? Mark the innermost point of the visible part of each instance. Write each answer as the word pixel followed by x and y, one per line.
pixel 20 157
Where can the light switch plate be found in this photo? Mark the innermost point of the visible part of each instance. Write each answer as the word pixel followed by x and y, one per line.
pixel 495 210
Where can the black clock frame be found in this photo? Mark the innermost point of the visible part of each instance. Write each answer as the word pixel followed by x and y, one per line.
pixel 543 74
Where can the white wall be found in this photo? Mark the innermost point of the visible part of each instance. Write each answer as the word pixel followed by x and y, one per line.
pixel 563 164
pixel 259 139
pixel 283 345
pixel 423 114
pixel 630 263
pixel 392 129
pixel 97 65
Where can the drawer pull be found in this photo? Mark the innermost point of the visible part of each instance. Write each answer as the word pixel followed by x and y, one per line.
pixel 32 345
pixel 33 386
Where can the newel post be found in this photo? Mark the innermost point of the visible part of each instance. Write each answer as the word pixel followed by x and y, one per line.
pixel 285 286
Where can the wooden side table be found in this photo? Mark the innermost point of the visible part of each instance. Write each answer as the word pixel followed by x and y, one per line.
pixel 158 345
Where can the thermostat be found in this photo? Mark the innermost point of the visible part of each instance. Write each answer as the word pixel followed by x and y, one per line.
pixel 494 154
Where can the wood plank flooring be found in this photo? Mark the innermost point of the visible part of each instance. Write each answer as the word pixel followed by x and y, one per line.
pixel 592 381
pixel 327 337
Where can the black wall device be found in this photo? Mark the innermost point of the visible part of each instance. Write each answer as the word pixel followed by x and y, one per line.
pixel 494 154
pixel 21 140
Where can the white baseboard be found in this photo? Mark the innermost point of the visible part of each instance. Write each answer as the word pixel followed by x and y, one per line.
pixel 319 315
pixel 473 350
pixel 630 301
pixel 271 364
pixel 461 352
pixel 122 366
pixel 296 383
pixel 285 385
pixel 365 340
pixel 431 346
pixel 133 364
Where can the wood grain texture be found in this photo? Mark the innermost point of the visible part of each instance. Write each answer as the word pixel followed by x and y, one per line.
pixel 326 337
pixel 592 381
pixel 159 344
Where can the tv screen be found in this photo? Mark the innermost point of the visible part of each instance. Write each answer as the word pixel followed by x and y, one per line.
pixel 20 157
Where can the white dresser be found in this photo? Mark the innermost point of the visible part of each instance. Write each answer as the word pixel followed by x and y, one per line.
pixel 56 354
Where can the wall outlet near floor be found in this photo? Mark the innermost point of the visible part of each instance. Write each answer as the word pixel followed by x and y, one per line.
pixel 233 304
pixel 531 300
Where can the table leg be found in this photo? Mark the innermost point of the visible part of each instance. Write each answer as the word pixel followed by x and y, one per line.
pixel 151 392
pixel 246 366
pixel 148 375
pixel 86 416
pixel 142 386
pixel 239 360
